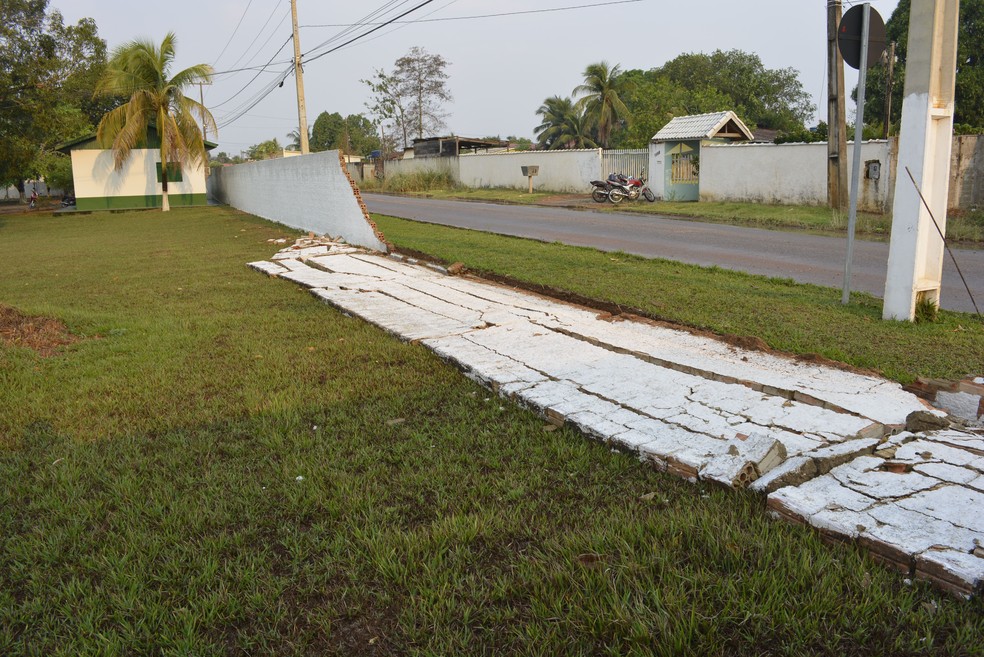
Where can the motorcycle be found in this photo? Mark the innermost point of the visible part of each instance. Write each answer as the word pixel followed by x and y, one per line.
pixel 68 201
pixel 619 187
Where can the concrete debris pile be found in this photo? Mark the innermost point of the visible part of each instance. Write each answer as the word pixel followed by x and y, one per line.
pixel 829 447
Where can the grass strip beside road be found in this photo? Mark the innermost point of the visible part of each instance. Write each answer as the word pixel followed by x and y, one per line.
pixel 225 465
pixel 788 316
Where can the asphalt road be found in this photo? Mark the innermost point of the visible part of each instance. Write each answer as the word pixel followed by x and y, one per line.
pixel 802 257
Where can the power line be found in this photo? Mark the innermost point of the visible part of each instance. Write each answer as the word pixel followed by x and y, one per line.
pixel 226 46
pixel 262 69
pixel 508 13
pixel 365 34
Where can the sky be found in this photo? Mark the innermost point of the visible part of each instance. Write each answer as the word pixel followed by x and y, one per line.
pixel 501 67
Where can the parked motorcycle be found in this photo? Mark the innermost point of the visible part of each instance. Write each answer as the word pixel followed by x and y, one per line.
pixel 68 201
pixel 618 187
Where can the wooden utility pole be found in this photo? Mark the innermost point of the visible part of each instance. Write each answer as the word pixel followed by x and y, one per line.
pixel 890 69
pixel 298 76
pixel 837 194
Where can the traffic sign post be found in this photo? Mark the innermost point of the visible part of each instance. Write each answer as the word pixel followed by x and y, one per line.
pixel 859 51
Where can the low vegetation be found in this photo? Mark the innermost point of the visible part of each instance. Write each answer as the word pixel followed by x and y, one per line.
pixel 222 465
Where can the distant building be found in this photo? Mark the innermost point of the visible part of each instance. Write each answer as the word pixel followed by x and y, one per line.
pixel 99 186
pixel 454 146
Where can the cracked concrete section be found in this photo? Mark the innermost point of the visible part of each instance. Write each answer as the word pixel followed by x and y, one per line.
pixel 825 444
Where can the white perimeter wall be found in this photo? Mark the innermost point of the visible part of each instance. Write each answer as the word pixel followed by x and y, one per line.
pixel 560 171
pixel 309 192
pixel 787 173
pixel 96 177
pixel 413 165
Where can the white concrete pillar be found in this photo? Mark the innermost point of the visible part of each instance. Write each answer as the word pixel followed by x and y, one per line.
pixel 915 260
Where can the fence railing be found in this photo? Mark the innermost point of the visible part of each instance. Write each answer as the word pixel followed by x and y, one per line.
pixel 633 162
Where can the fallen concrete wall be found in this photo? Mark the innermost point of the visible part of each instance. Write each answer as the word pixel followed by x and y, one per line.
pixel 310 192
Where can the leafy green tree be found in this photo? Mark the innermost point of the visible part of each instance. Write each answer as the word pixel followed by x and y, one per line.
pixel 969 94
pixel 601 102
pixel 140 70
pixel 652 100
pixel 46 73
pixel 265 150
pixel 767 98
pixel 361 133
pixel 326 132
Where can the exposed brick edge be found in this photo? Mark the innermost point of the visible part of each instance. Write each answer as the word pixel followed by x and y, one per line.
pixel 358 197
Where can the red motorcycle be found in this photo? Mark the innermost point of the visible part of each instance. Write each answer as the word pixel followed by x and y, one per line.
pixel 619 187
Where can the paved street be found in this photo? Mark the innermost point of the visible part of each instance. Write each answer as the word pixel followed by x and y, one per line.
pixel 800 256
pixel 829 447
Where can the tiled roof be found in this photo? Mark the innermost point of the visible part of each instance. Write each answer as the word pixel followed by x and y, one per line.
pixel 699 126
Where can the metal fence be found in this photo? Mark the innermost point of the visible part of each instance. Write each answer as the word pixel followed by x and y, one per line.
pixel 628 162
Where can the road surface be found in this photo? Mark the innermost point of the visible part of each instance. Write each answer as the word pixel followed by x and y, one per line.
pixel 800 256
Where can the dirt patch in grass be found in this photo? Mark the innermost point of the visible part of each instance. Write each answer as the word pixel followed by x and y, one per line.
pixel 42 334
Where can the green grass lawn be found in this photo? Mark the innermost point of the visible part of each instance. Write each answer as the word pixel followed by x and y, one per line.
pixel 788 316
pixel 223 465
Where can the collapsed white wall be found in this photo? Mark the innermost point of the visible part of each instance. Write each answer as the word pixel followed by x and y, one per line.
pixel 311 192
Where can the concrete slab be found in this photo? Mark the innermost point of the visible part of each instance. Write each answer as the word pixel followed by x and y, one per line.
pixel 825 444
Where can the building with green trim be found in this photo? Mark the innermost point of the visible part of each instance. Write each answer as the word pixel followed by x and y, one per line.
pixel 99 186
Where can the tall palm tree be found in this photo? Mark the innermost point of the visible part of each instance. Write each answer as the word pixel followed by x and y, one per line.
pixel 601 101
pixel 563 126
pixel 140 70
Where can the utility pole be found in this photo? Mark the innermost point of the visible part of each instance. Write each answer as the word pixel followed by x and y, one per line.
pixel 890 69
pixel 836 132
pixel 298 76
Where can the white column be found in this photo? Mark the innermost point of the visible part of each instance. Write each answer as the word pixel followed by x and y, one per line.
pixel 915 260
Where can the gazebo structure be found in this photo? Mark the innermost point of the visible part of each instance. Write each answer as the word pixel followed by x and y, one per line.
pixel 674 151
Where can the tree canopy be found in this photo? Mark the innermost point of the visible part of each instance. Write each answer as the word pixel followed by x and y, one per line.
pixel 624 109
pixel 969 96
pixel 47 71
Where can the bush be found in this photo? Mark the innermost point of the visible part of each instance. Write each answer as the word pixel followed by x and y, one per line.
pixel 420 181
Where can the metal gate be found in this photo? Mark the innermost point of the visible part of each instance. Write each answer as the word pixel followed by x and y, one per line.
pixel 628 162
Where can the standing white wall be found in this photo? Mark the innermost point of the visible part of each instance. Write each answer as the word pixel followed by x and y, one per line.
pixel 309 192
pixel 787 173
pixel 560 171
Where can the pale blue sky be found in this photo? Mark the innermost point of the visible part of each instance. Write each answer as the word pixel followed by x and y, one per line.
pixel 502 68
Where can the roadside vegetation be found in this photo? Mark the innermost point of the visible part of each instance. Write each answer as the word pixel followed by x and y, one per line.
pixel 785 315
pixel 217 464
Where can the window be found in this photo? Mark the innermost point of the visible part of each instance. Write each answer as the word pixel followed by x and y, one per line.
pixel 173 172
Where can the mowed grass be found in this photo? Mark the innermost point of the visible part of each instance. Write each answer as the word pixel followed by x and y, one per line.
pixel 226 466
pixel 787 316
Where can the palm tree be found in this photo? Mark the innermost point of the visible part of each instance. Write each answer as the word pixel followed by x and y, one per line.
pixel 140 70
pixel 563 125
pixel 295 138
pixel 601 102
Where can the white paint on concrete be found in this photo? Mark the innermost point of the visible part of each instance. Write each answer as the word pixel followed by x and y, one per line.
pixel 310 192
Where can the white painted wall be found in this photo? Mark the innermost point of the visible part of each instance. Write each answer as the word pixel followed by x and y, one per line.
pixel 413 165
pixel 560 171
pixel 786 173
pixel 96 177
pixel 310 192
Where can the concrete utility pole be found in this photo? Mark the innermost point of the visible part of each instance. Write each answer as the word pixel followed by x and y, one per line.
pixel 298 76
pixel 915 257
pixel 836 132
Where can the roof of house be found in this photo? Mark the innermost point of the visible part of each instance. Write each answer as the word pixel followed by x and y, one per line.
pixel 66 147
pixel 704 126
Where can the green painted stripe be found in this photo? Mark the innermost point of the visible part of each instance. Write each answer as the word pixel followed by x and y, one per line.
pixel 136 202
